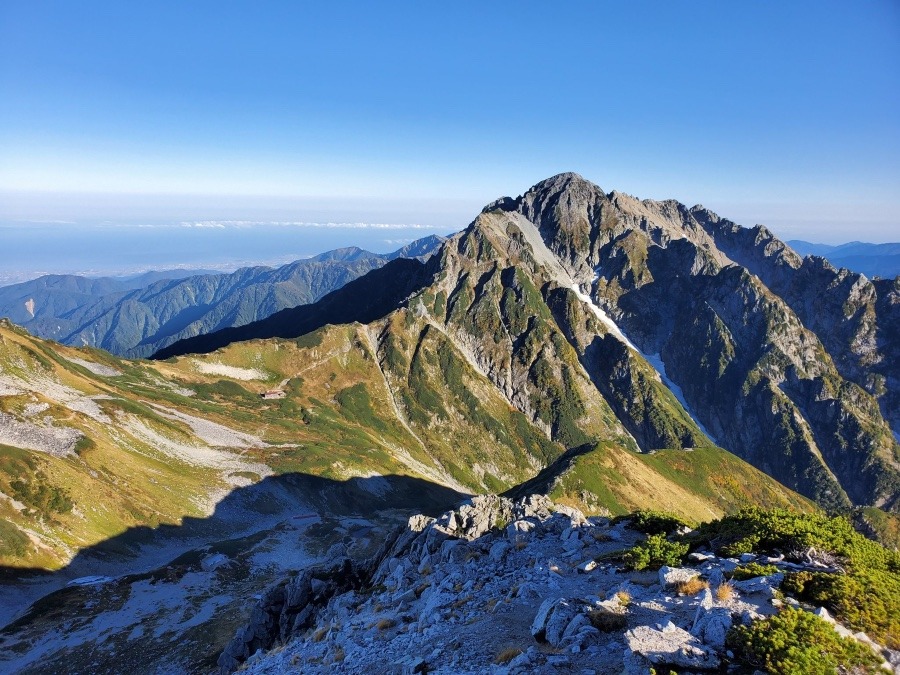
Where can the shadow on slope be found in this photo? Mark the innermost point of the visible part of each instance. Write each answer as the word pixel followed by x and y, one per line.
pixel 366 299
pixel 256 508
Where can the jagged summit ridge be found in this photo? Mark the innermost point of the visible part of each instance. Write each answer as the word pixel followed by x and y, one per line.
pixel 658 267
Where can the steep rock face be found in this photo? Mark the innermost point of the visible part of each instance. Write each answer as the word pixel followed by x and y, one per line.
pixel 847 311
pixel 887 309
pixel 736 318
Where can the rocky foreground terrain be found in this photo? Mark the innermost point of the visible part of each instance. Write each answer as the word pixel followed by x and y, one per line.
pixel 502 587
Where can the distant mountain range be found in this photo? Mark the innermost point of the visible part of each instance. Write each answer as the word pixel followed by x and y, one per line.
pixel 873 260
pixel 139 316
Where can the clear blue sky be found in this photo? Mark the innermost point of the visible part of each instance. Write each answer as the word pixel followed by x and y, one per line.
pixel 782 113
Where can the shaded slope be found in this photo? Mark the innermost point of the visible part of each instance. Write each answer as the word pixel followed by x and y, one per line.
pixel 758 377
pixel 136 317
pixel 365 299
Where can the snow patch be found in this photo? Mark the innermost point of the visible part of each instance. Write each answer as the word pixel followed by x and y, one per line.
pixel 95 368
pixel 89 581
pixel 233 372
pixel 655 361
pixel 604 317
pixel 552 264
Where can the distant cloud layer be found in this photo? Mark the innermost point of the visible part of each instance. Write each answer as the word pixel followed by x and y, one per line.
pixel 336 226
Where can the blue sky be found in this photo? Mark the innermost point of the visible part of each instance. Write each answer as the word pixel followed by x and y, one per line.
pixel 421 111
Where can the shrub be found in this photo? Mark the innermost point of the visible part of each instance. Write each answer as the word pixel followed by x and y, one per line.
pixel 800 643
pixel 41 496
pixel 753 570
pixel 384 624
pixel 761 531
pixel 607 621
pixel 654 522
pixel 867 600
pixel 13 542
pixel 624 598
pixel 691 586
pixel 654 552
pixel 507 655
pixel 724 592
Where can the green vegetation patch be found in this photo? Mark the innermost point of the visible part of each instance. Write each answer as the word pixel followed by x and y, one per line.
pixel 798 642
pixel 13 542
pixel 780 530
pixel 865 595
pixel 753 570
pixel 654 522
pixel 866 600
pixel 39 495
pixel 356 404
pixel 654 552
pixel 222 388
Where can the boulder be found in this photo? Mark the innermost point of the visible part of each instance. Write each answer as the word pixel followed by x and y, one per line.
pixel 670 576
pixel 538 507
pixel 519 530
pixel 671 646
pixel 822 613
pixel 587 566
pixel 539 625
pixel 498 550
pixel 561 615
pixel 576 516
pixel 765 585
pixel 712 625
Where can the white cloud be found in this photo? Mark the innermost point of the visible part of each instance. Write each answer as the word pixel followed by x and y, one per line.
pixel 334 226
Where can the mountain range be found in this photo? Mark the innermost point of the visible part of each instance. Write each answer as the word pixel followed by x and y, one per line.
pixel 611 353
pixel 136 317
pixel 732 338
pixel 873 260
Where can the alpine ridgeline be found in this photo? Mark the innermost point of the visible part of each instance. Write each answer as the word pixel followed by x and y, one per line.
pixel 135 318
pixel 614 325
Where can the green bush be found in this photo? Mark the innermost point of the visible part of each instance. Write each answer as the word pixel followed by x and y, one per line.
pixel 866 600
pixel 753 570
pixel 800 643
pixel 41 496
pixel 760 531
pixel 13 542
pixel 654 552
pixel 654 522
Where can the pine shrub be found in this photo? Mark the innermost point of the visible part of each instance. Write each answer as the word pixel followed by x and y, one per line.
pixel 654 552
pixel 797 642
